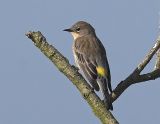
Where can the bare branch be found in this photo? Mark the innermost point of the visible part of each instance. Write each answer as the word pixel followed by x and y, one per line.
pixel 76 78
pixel 135 76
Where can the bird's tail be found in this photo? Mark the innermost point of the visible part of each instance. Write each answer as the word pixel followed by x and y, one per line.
pixel 104 89
pixel 107 101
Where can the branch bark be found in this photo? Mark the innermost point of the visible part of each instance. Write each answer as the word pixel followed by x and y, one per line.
pixel 157 64
pixel 84 88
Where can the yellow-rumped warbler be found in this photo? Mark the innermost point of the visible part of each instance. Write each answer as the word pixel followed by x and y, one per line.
pixel 90 57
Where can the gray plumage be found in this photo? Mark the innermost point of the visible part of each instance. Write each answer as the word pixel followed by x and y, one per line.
pixel 89 54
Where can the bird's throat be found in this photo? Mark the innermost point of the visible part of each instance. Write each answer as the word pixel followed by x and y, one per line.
pixel 75 35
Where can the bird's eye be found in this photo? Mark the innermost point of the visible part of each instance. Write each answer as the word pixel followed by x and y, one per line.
pixel 78 29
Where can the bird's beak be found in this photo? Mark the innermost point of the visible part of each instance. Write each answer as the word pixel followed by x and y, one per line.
pixel 69 30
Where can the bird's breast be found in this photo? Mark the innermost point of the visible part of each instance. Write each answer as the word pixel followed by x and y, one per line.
pixel 75 57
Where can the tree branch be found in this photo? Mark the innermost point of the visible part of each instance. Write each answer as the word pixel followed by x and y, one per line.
pixel 76 78
pixel 135 76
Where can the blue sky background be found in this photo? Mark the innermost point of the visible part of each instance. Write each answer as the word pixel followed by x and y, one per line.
pixel 33 91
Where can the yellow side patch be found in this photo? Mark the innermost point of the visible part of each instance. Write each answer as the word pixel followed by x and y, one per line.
pixel 101 71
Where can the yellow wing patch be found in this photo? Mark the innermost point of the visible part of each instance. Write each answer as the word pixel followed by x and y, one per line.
pixel 101 71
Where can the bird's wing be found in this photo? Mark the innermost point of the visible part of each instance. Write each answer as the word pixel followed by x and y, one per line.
pixel 88 68
pixel 103 66
pixel 92 60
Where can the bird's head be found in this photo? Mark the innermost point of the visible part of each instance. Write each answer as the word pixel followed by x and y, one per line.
pixel 80 29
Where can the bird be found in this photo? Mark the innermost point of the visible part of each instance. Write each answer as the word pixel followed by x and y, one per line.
pixel 91 58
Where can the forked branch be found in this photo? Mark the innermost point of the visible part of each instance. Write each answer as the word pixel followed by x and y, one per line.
pixel 136 77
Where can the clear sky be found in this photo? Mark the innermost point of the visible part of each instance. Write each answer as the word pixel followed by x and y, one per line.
pixel 33 91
